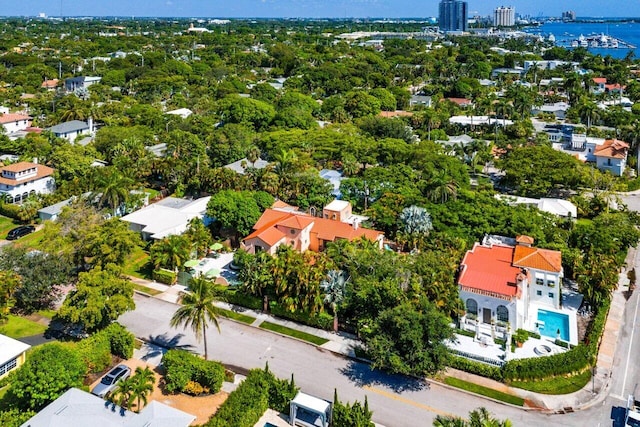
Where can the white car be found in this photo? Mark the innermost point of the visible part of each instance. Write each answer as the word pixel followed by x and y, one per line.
pixel 111 380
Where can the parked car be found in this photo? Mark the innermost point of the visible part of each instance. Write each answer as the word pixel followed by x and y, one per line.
pixel 18 232
pixel 109 382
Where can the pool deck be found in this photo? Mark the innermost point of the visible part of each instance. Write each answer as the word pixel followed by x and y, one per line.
pixel 274 418
pixel 571 301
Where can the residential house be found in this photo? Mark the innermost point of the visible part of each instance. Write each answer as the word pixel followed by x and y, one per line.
pixel 506 281
pixel 422 100
pixel 14 122
pixel 558 109
pixel 241 165
pixel 169 216
pixel 612 156
pixel 461 102
pixel 50 85
pixel 78 408
pixel 396 113
pixel 180 112
pixel 558 207
pixel 20 180
pixel 12 354
pixel 549 64
pixel 283 224
pixel 51 212
pixel 83 82
pixel 71 130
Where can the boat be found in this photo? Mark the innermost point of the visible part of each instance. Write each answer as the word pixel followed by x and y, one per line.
pixel 575 43
pixel 552 38
pixel 613 44
pixel 595 43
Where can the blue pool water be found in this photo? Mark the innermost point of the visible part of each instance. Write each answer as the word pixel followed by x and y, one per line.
pixel 553 322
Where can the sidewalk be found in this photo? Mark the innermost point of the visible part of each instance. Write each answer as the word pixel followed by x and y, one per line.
pixel 340 343
pixel 344 344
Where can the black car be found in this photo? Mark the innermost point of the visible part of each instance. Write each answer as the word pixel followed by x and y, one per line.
pixel 18 232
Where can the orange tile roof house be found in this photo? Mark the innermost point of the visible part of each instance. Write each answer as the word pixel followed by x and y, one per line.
pixel 507 281
pixel 283 224
pixel 19 180
pixel 14 122
pixel 612 156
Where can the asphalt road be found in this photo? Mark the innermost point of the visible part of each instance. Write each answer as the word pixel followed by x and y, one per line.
pixel 396 401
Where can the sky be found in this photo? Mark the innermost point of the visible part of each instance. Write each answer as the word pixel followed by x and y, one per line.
pixel 306 8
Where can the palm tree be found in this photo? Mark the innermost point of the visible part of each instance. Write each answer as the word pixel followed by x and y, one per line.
pixel 589 112
pixel 112 186
pixel 334 289
pixel 142 386
pixel 441 187
pixel 198 309
pixel 477 418
pixel 170 252
pixel 122 394
pixel 253 155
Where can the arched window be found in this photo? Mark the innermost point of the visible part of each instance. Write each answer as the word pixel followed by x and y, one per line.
pixel 503 313
pixel 472 306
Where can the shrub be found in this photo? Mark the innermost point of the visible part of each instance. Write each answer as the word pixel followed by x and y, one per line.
pixel 195 389
pixel 243 300
pixel 320 320
pixel 165 276
pixel 355 415
pixel 14 417
pixel 245 406
pixel 474 367
pixel 465 333
pixel 259 391
pixel 95 352
pixel 121 340
pixel 183 368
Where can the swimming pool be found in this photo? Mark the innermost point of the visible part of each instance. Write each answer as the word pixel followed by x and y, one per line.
pixel 551 323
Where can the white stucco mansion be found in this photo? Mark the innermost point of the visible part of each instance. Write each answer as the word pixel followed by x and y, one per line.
pixel 19 180
pixel 505 281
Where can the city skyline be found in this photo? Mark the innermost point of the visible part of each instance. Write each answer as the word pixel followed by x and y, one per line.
pixel 301 8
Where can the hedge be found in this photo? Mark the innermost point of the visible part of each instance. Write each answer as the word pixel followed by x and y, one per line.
pixel 184 371
pixel 320 320
pixel 165 276
pixel 475 367
pixel 96 350
pixel 259 391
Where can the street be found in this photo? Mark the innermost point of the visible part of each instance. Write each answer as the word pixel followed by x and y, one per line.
pixel 396 401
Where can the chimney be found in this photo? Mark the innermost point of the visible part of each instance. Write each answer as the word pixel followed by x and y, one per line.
pixel 35 160
pixel 90 123
pixel 355 224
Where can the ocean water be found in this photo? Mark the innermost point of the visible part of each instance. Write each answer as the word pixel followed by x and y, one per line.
pixel 629 32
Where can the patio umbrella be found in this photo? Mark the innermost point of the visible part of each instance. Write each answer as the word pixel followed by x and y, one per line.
pixel 216 246
pixel 191 263
pixel 214 272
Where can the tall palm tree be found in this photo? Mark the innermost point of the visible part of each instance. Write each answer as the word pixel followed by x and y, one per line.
pixel 334 289
pixel 142 386
pixel 112 186
pixel 442 187
pixel 198 309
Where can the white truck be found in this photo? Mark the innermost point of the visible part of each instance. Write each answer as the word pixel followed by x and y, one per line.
pixel 632 419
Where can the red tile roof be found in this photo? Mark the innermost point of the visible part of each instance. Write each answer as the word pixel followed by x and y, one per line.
pixel 525 239
pixel 397 113
pixel 321 228
pixel 600 80
pixel 42 171
pixel 612 148
pixel 13 117
pixel 460 101
pixel 489 269
pixel 540 259
pixel 49 84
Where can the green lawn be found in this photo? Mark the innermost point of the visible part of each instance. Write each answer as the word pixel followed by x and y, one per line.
pixel 559 385
pixel 31 241
pixel 47 313
pixel 146 290
pixel 6 224
pixel 18 327
pixel 484 391
pixel 236 316
pixel 293 333
pixel 138 265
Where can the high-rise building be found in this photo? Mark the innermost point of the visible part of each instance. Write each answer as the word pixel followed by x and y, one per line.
pixel 453 15
pixel 569 15
pixel 504 16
